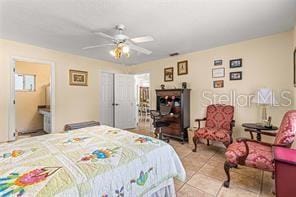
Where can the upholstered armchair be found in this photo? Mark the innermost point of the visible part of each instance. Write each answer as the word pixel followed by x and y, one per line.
pixel 258 154
pixel 218 125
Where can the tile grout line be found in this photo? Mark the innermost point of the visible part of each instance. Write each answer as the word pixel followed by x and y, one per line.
pixel 208 176
pixel 203 175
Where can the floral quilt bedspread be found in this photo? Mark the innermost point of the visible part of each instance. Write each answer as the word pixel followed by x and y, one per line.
pixel 95 161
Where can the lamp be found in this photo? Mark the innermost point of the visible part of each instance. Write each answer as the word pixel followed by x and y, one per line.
pixel 264 97
pixel 119 50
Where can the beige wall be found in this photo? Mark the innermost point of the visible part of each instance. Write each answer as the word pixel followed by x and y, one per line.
pixel 27 116
pixel 73 103
pixel 266 63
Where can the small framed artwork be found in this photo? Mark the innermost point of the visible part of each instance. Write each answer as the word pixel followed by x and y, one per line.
pixel 218 72
pixel 295 67
pixel 235 63
pixel 218 62
pixel 182 67
pixel 235 75
pixel 78 78
pixel 169 74
pixel 218 84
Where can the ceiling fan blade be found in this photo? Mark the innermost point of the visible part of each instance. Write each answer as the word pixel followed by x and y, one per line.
pixel 106 36
pixel 97 46
pixel 139 49
pixel 142 39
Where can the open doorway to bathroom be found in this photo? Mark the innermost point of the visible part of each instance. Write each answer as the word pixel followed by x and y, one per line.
pixel 143 100
pixel 32 98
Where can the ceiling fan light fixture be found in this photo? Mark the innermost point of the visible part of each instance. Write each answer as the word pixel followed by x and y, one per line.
pixel 117 52
pixel 122 43
pixel 125 49
pixel 112 53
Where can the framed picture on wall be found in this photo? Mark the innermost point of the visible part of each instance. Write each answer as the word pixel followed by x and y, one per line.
pixel 218 84
pixel 235 75
pixel 78 78
pixel 236 63
pixel 169 74
pixel 182 67
pixel 218 62
pixel 218 72
pixel 295 67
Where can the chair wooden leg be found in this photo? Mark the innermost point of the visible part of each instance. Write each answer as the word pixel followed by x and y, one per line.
pixel 273 185
pixel 195 143
pixel 156 133
pixel 208 142
pixel 227 167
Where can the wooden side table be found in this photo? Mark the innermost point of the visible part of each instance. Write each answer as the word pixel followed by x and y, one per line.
pixel 259 129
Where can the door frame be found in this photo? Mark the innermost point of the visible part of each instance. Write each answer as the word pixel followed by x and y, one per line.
pixel 12 113
pixel 142 73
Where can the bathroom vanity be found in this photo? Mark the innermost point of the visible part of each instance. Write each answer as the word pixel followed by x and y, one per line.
pixel 45 111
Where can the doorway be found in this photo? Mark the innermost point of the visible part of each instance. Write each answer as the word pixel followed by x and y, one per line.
pixel 117 100
pixel 143 100
pixel 32 98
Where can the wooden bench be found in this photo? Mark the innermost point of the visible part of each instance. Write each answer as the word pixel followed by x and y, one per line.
pixel 81 125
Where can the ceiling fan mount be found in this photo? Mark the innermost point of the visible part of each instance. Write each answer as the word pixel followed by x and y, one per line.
pixel 120 27
pixel 121 41
pixel 120 37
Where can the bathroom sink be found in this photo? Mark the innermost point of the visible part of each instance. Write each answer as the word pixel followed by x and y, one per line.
pixel 44 111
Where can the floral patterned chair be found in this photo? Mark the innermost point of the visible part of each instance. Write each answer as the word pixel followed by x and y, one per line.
pixel 218 127
pixel 258 154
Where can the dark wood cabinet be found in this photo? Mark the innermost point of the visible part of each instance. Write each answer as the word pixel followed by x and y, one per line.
pixel 179 118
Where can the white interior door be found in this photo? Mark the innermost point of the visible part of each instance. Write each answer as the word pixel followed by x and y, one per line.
pixel 12 122
pixel 106 99
pixel 125 101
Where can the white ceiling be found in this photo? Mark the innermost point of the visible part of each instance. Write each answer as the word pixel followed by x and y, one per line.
pixel 177 25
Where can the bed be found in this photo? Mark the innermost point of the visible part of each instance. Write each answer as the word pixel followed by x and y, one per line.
pixel 94 161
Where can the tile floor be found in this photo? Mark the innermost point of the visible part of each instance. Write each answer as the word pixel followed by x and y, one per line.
pixel 205 174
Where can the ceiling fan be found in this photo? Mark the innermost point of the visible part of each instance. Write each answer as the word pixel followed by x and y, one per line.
pixel 122 43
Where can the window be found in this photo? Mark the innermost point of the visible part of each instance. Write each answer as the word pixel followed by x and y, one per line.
pixel 25 82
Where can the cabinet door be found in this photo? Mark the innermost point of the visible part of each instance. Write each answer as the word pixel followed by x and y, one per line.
pixel 47 123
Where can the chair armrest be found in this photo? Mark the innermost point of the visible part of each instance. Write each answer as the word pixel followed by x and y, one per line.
pixel 245 140
pixel 255 141
pixel 155 113
pixel 242 160
pixel 198 120
pixel 282 145
pixel 263 143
